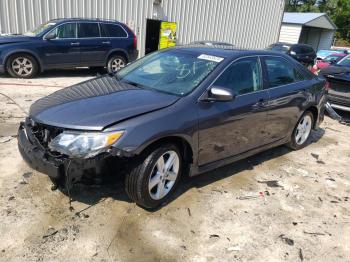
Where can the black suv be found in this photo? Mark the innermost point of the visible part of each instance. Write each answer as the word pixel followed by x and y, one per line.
pixel 68 43
pixel 303 53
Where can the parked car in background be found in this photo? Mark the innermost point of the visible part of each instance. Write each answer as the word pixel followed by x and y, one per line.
pixel 322 54
pixel 211 43
pixel 303 53
pixel 338 76
pixel 176 110
pixel 331 59
pixel 68 43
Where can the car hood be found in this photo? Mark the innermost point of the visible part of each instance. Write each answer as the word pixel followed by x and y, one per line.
pixel 11 39
pixel 336 72
pixel 96 104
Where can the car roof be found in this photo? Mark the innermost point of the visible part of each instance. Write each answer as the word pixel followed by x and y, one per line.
pixel 77 19
pixel 289 44
pixel 224 51
pixel 338 54
pixel 211 43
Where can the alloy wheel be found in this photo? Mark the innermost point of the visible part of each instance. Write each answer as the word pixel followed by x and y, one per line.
pixel 164 175
pixel 117 64
pixel 303 130
pixel 22 66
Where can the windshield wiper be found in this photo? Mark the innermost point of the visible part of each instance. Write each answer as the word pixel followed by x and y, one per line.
pixel 132 83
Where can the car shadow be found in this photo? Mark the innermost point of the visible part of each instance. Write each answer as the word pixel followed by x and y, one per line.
pixel 114 187
pixel 72 72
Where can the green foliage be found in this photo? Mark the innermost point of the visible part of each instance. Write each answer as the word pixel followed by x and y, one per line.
pixel 337 10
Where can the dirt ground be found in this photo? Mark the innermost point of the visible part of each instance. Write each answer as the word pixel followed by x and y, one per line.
pixel 280 205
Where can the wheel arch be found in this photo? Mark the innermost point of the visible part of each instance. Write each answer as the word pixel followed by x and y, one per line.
pixel 27 52
pixel 117 51
pixel 183 144
pixel 314 111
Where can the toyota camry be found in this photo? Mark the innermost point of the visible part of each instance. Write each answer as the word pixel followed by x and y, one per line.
pixel 176 112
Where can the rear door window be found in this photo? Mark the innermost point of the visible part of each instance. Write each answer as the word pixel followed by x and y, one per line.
pixel 88 30
pixel 280 72
pixel 307 50
pixel 297 49
pixel 242 77
pixel 113 30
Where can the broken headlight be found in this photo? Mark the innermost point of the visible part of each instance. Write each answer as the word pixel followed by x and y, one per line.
pixel 83 145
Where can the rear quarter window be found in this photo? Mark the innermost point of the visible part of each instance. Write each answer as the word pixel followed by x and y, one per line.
pixel 113 30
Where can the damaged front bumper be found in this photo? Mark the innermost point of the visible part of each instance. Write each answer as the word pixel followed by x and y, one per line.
pixel 62 170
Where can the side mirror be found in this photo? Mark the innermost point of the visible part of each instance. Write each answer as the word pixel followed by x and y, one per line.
pixel 50 36
pixel 332 62
pixel 220 94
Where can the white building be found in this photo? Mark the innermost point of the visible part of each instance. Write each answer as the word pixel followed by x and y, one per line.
pixel 315 29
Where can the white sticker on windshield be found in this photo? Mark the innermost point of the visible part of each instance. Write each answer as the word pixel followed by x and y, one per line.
pixel 211 58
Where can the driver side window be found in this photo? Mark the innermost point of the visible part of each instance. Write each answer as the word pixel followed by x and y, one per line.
pixel 68 30
pixel 242 77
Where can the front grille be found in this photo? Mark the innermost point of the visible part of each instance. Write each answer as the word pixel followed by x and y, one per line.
pixel 44 133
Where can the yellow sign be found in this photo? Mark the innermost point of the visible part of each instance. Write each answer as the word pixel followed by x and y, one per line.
pixel 167 35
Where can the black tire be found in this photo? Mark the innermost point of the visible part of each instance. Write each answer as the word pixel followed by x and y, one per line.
pixel 28 68
pixel 138 178
pixel 114 61
pixel 294 144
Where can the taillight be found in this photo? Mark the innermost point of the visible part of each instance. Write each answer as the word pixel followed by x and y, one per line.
pixel 135 41
pixel 135 37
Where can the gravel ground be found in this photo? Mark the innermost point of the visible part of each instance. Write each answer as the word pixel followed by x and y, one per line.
pixel 278 205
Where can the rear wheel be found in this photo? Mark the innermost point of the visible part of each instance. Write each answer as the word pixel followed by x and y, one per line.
pixel 154 176
pixel 22 66
pixel 115 63
pixel 302 131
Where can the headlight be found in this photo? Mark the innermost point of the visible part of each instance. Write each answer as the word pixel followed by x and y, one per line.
pixel 83 145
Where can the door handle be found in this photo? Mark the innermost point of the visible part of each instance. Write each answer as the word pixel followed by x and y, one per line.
pixel 75 43
pixel 106 42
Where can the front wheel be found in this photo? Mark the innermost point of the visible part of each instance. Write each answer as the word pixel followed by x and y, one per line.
pixel 22 66
pixel 115 63
pixel 302 131
pixel 154 176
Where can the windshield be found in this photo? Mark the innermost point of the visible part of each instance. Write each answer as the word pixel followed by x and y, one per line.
pixel 345 61
pixel 173 71
pixel 332 58
pixel 324 52
pixel 38 30
pixel 279 48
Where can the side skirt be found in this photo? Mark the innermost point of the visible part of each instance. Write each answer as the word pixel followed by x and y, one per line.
pixel 197 170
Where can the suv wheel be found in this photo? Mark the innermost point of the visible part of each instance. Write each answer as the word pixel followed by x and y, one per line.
pixel 154 176
pixel 115 63
pixel 302 131
pixel 22 66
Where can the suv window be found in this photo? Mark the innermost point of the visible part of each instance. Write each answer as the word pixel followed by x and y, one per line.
pixel 280 72
pixel 68 30
pixel 297 49
pixel 88 30
pixel 243 76
pixel 113 30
